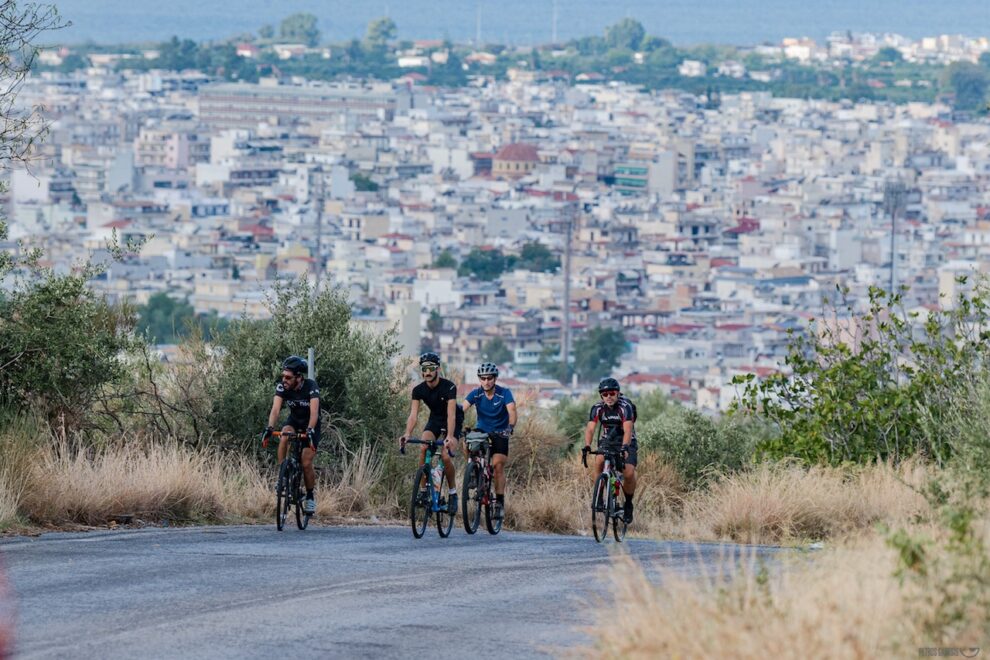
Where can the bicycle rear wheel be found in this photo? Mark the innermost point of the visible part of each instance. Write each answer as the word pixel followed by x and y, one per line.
pixel 445 517
pixel 599 508
pixel 282 497
pixel 494 524
pixel 302 518
pixel 419 504
pixel 472 494
pixel 618 516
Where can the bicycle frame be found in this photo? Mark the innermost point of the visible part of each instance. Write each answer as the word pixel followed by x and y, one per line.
pixel 428 461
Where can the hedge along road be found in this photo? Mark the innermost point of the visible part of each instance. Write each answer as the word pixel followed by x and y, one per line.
pixel 354 592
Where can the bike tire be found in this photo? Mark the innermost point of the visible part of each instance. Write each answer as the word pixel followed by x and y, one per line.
pixel 599 508
pixel 281 498
pixel 471 498
pixel 445 517
pixel 493 524
pixel 419 507
pixel 619 524
pixel 302 518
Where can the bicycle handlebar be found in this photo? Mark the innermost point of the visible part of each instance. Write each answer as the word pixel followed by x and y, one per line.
pixel 429 443
pixel 602 452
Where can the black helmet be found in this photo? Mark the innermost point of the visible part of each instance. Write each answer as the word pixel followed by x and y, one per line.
pixel 295 364
pixel 429 358
pixel 606 384
pixel 488 369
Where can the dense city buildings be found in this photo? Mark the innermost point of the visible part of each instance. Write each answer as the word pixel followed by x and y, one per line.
pixel 704 231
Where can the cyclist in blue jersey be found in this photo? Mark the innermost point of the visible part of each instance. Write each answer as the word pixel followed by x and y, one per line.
pixel 496 416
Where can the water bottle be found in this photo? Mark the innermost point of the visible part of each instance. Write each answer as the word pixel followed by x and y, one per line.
pixel 437 473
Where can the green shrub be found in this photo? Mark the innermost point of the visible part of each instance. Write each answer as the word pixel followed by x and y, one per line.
pixel 696 444
pixel 360 390
pixel 880 385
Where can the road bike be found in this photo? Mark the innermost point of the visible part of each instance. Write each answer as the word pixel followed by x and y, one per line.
pixel 605 508
pixel 478 491
pixel 288 490
pixel 430 492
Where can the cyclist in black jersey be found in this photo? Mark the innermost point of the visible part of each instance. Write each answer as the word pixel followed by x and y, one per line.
pixel 617 415
pixel 302 397
pixel 446 417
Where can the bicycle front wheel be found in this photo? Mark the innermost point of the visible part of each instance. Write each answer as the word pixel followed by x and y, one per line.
pixel 471 493
pixel 302 518
pixel 420 504
pixel 282 497
pixel 618 516
pixel 599 508
pixel 445 515
pixel 492 521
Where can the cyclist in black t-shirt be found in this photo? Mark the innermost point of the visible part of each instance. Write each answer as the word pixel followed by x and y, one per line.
pixel 617 415
pixel 446 417
pixel 302 397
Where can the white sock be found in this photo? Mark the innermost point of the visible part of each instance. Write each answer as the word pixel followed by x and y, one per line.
pixel 453 491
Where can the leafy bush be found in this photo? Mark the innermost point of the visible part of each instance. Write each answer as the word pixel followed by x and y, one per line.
pixel 360 389
pixel 696 444
pixel 884 384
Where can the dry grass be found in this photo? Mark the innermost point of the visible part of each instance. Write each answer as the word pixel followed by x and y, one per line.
pixel 844 602
pixel 780 502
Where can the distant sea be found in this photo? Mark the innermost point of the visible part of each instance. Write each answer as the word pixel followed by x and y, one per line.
pixel 685 22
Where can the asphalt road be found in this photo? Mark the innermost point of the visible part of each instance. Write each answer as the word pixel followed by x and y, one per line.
pixel 349 592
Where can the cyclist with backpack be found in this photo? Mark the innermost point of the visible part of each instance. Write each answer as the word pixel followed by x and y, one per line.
pixel 302 396
pixel 617 416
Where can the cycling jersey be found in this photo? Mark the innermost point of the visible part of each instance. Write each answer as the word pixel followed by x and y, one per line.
pixel 436 398
pixel 613 417
pixel 493 417
pixel 297 401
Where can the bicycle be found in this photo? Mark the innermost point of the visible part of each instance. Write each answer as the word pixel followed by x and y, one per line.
pixel 288 489
pixel 432 498
pixel 605 496
pixel 478 490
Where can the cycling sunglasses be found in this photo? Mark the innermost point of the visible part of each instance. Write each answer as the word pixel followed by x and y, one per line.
pixel 609 393
pixel 427 370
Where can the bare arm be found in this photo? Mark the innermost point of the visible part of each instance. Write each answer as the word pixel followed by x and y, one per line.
pixel 511 408
pixel 627 427
pixel 413 415
pixel 451 418
pixel 276 409
pixel 314 411
pixel 589 430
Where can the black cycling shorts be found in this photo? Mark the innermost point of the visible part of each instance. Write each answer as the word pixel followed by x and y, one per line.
pixel 631 450
pixel 500 443
pixel 438 426
pixel 302 429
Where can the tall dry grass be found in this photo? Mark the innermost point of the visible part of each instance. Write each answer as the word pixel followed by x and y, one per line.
pixel 844 602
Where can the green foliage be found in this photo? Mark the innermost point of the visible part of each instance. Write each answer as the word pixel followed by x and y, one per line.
pixel 572 414
pixel 496 351
pixel 300 28
pixel 627 33
pixel 60 345
pixel 360 393
pixel 363 183
pixel 551 364
pixel 888 54
pixel 697 445
pixel 165 320
pixel 597 352
pixel 879 385
pixel 381 32
pixel 445 260
pixel 537 257
pixel 266 32
pixel 969 83
pixel 485 264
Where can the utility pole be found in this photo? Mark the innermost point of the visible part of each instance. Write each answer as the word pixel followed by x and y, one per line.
pixel 565 329
pixel 894 201
pixel 319 229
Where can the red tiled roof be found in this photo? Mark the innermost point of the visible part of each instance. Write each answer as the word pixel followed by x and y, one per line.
pixel 518 151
